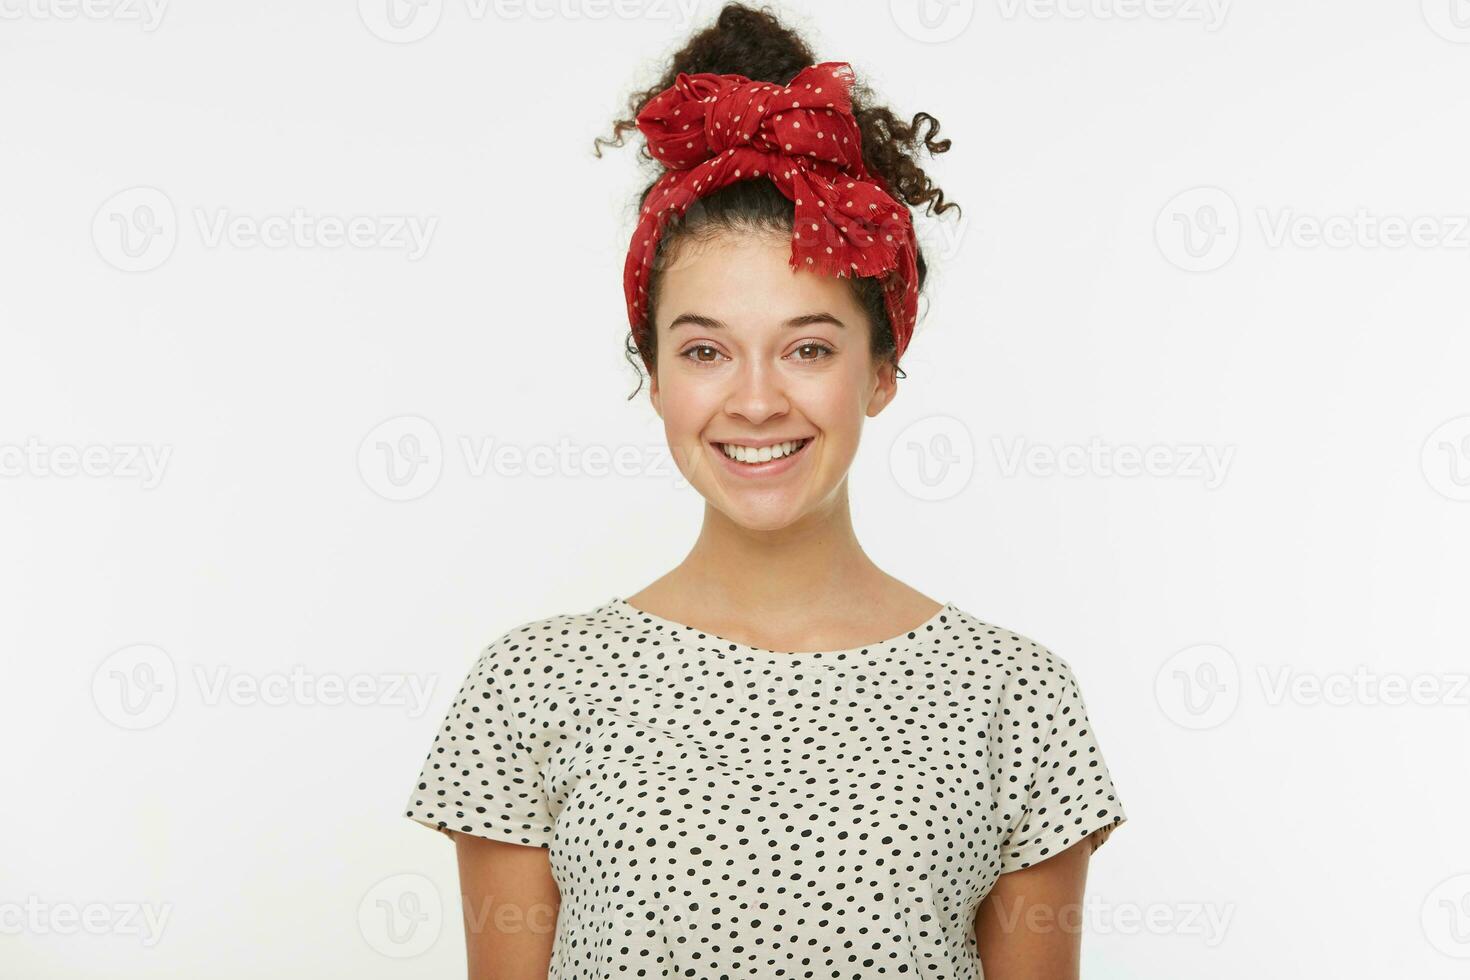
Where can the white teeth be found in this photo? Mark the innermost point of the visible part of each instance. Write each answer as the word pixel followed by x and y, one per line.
pixel 748 454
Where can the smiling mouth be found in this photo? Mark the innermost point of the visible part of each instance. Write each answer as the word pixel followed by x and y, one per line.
pixel 743 454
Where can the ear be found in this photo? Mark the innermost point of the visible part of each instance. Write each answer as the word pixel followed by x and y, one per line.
pixel 885 388
pixel 653 392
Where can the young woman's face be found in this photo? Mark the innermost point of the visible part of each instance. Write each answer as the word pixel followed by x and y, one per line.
pixel 752 352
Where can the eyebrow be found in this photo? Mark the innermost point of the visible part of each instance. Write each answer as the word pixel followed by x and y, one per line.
pixel 805 320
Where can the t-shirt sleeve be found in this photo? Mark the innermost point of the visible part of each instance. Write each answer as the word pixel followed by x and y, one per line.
pixel 481 776
pixel 1070 794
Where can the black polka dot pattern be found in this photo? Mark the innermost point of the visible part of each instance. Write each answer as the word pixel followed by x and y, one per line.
pixel 714 809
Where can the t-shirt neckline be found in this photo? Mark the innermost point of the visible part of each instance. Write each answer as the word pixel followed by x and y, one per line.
pixel 732 649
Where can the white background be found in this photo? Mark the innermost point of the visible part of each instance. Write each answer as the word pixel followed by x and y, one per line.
pixel 1277 828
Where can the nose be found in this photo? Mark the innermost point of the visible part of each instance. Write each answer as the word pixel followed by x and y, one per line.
pixel 757 392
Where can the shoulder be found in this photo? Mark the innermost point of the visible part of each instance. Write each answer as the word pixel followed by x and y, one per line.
pixel 1025 667
pixel 544 651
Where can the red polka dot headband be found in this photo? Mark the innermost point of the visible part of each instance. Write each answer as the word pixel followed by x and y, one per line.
pixel 711 130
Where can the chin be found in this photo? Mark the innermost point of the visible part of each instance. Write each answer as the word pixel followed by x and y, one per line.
pixel 759 524
pixel 761 518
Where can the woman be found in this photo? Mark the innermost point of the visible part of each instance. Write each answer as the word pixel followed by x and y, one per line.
pixel 776 760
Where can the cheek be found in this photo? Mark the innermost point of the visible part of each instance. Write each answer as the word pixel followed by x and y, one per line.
pixel 686 408
pixel 836 409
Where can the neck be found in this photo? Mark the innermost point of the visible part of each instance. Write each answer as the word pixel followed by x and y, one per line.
pixel 816 560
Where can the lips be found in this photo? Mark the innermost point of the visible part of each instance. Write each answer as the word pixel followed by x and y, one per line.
pixel 749 456
pixel 771 467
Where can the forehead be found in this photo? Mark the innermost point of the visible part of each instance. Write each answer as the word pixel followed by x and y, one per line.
pixel 747 278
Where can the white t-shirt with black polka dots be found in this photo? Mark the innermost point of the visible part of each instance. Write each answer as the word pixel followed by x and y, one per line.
pixel 715 809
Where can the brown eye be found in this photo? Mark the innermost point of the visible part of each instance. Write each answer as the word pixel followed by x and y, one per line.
pixel 692 354
pixel 824 350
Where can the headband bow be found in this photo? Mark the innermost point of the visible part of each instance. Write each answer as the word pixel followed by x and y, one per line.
pixel 711 130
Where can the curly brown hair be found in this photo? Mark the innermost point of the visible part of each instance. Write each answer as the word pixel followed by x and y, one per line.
pixel 753 42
